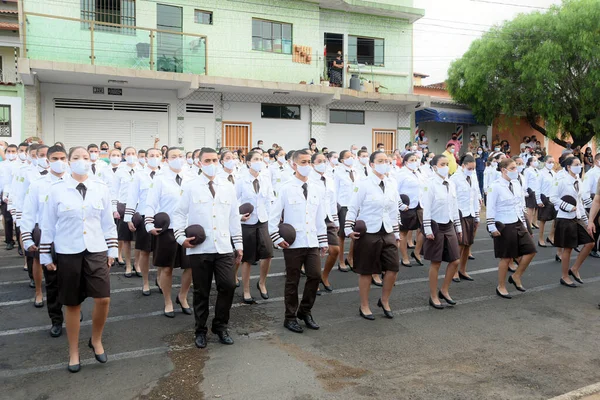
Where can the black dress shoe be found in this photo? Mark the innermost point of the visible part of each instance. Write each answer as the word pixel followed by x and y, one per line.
pixel 74 368
pixel 10 246
pixel 146 292
pixel 549 242
pixel 464 277
pixel 471 257
pixel 101 358
pixel 169 314
pixel 138 274
pixel 56 330
pixel 157 285
pixel 20 251
pixel 374 282
pixel 446 299
pixel 128 274
pixel 121 263
pixel 577 249
pixel 408 246
pixel 309 321
pixel 562 282
pixel 224 337
pixel 293 326
pixel 370 317
pixel 32 283
pixel 504 296
pixel 594 254
pixel 519 288
pixel 456 280
pixel 38 305
pixel 388 313
pixel 264 295
pixel 345 269
pixel 186 310
pixel 348 264
pixel 542 244
pixel 237 284
pixel 557 258
pixel 535 226
pixel 200 340
pixel 414 256
pixel 249 300
pixel 328 288
pixel 511 270
pixel 408 265
pixel 436 306
pixel 80 316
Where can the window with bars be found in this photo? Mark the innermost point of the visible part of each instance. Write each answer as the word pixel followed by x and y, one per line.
pixel 5 121
pixel 105 12
pixel 274 37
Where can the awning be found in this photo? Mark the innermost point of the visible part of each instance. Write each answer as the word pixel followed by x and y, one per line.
pixel 449 115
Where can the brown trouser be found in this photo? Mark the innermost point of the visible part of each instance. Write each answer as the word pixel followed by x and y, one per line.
pixel 294 259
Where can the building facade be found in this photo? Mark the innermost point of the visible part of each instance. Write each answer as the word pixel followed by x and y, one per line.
pixel 11 88
pixel 219 73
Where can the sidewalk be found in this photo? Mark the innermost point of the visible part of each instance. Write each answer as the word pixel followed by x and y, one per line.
pixel 591 392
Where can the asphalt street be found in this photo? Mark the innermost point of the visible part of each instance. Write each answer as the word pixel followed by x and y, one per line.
pixel 538 345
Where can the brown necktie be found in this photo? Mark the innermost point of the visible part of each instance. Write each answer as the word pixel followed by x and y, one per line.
pixel 305 190
pixel 115 169
pixel 230 179
pixel 44 172
pixel 576 184
pixel 324 180
pixel 256 186
pixel 510 186
pixel 382 186
pixel 469 180
pixel 131 172
pixel 447 184
pixel 211 188
pixel 178 179
pixel 94 168
pixel 152 174
pixel 366 172
pixel 351 175
pixel 82 190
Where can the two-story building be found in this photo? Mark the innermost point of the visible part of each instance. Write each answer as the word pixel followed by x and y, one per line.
pixel 221 73
pixel 11 89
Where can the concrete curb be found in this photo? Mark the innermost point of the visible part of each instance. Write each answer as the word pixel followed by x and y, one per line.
pixel 580 393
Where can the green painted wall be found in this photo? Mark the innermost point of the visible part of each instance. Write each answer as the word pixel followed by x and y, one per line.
pixel 229 44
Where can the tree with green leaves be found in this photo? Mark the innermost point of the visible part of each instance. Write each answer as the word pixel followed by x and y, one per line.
pixel 544 66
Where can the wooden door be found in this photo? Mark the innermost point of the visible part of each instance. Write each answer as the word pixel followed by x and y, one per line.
pixel 385 136
pixel 237 135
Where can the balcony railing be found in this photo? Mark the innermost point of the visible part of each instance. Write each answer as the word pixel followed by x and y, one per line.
pixel 64 39
pixel 9 75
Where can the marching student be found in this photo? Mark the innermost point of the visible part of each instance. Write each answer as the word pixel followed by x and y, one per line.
pixel 136 202
pixel 546 210
pixel 255 188
pixel 440 210
pixel 98 167
pixel 189 158
pixel 363 168
pixel 210 202
pixel 122 180
pixel 163 196
pixel 506 223
pixel 345 177
pixel 9 192
pixel 228 171
pixel 7 168
pixel 32 215
pixel 141 156
pixel 571 221
pixel 409 184
pixel 467 196
pixel 78 222
pixel 299 205
pixel 332 163
pixel 325 182
pixel 280 171
pixel 426 170
pixel 590 184
pixel 115 158
pixel 375 251
pixel 531 186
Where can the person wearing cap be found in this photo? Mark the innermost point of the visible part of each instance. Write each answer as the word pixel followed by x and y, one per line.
pixel 571 221
pixel 507 225
pixel 376 203
pixel 546 210
pixel 163 197
pixel 210 202
pixel 440 210
pixel 324 181
pixel 300 206
pixel 411 214
pixel 6 173
pixel 255 188
pixel 78 222
pixel 32 214
pixel 122 180
pixel 345 177
pixel 136 202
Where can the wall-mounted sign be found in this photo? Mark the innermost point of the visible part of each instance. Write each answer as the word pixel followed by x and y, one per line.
pixel 115 92
pixel 98 90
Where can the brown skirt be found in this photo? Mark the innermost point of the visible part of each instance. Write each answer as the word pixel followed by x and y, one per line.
pixel 332 234
pixel 468 231
pixel 570 233
pixel 82 275
pixel 257 242
pixel 123 232
pixel 168 253
pixel 530 201
pixel 409 220
pixel 143 239
pixel 444 247
pixel 376 252
pixel 548 212
pixel 342 211
pixel 514 241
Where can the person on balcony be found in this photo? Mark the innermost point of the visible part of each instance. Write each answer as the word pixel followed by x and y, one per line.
pixel 336 71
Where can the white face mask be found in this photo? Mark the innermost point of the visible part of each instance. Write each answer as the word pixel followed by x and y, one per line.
pixel 452 151
pixel 80 167
pixel 142 161
pixel 382 168
pixel 257 166
pixel 22 156
pixel 576 169
pixel 443 171
pixel 497 149
pixel 535 164
pixel 335 161
pixel 281 160
pixel 229 164
pixel 11 156
pixel 131 160
pixel 494 164
pixel 382 150
pixel 520 168
pixel 349 161
pixel 267 160
pixel 549 165
pixel 154 162
pixel 364 160
pixel 42 162
pixel 412 165
pixel 115 160
pixel 209 170
pixel 34 162
pixel 468 172
pixel 197 161
pixel 479 152
pixel 512 175
pixel 355 152
pixel 93 156
pixel 58 167
pixel 303 170
pixel 190 161
pixel 176 163
pixel 320 168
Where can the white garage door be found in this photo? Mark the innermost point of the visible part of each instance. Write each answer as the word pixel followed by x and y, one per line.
pixel 81 122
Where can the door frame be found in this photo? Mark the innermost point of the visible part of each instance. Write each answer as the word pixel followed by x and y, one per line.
pixel 394 140
pixel 236 123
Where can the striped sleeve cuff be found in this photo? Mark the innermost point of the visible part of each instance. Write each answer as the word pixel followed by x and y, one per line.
pixel 402 206
pixel 566 207
pixel 236 239
pixel 491 224
pixel 26 236
pixel 180 236
pixel 587 203
pixel 112 243
pixel 276 237
pixel 45 248
pixel 427 227
pixel 322 240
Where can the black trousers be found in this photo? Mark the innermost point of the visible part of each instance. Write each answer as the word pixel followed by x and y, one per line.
pixel 8 224
pixel 294 259
pixel 204 268
pixel 18 232
pixel 54 306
